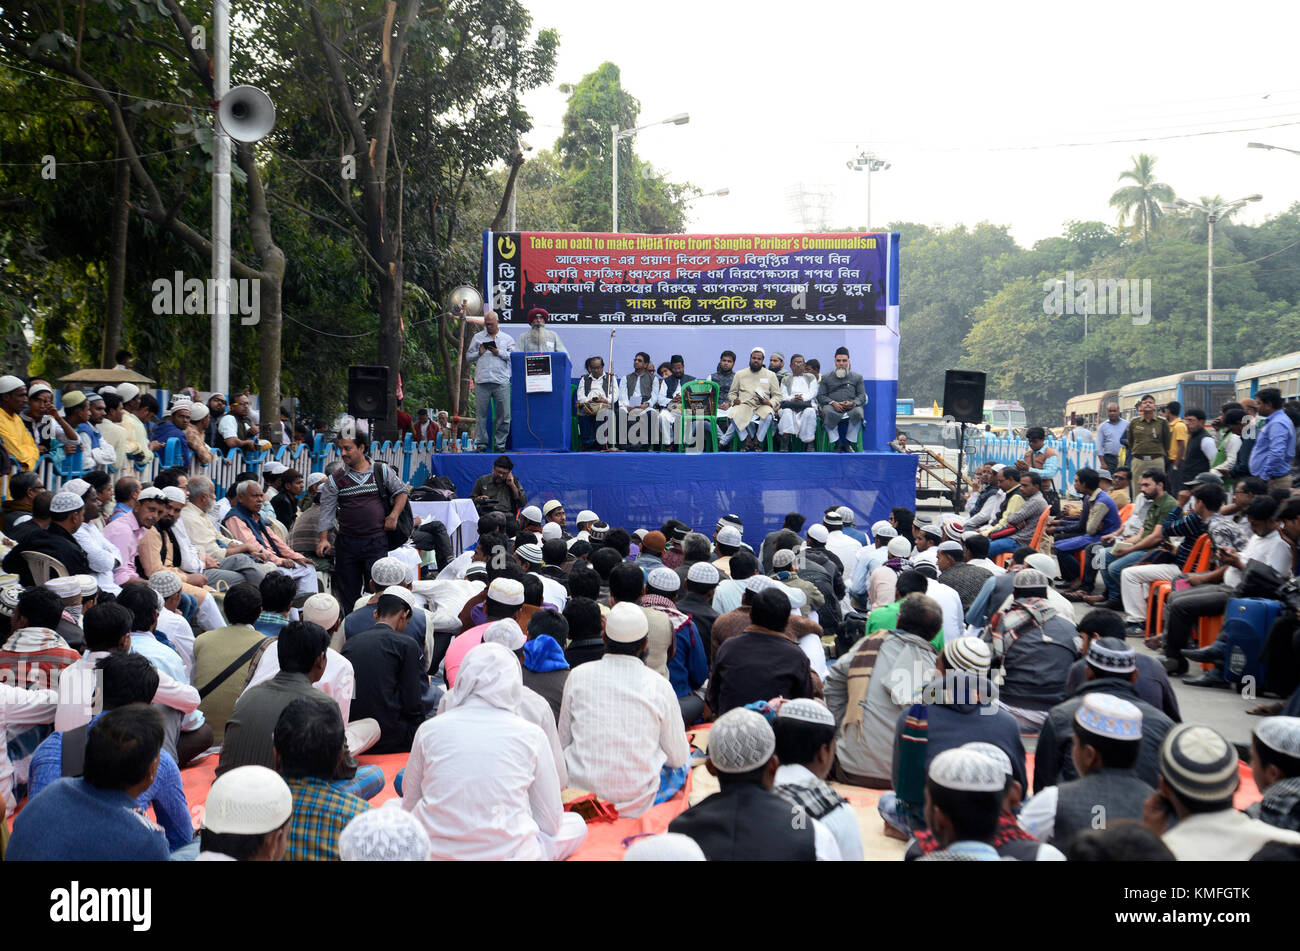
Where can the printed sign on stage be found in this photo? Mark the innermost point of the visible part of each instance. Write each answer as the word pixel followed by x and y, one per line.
pixel 787 293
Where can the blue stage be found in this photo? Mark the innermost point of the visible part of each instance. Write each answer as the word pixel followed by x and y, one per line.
pixel 643 489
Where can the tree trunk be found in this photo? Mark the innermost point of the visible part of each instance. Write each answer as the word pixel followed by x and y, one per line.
pixel 112 340
pixel 390 341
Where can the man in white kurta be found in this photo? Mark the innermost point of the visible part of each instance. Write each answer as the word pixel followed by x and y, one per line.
pixel 481 778
pixel 620 723
pixel 799 387
pixel 755 394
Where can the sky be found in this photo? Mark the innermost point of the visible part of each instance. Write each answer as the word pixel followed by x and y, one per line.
pixel 973 105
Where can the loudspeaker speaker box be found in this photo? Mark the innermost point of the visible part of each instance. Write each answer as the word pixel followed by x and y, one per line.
pixel 368 392
pixel 963 395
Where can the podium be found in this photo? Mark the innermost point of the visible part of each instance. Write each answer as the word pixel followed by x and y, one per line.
pixel 541 403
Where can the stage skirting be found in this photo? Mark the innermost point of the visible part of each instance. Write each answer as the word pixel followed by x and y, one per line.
pixel 642 489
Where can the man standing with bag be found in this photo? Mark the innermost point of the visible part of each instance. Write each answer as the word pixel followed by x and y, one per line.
pixel 364 500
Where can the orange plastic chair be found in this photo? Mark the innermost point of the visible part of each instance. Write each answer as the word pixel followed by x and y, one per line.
pixel 1124 513
pixel 1198 560
pixel 1004 559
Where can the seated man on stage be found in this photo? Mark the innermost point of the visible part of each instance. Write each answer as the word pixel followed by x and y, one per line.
pixel 841 396
pixel 638 420
pixel 670 401
pixel 597 391
pixel 798 406
pixel 755 392
pixel 537 339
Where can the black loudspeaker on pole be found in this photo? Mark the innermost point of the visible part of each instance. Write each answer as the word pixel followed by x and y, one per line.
pixel 963 401
pixel 368 392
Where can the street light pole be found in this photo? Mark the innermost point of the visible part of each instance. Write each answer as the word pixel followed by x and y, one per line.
pixel 868 162
pixel 1209 300
pixel 615 136
pixel 219 360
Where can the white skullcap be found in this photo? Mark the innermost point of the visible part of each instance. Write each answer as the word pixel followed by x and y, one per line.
pixel 247 800
pixel 397 591
pixel 951 547
pixel 665 579
pixel 758 350
pixel 993 752
pixel 666 847
pixel 151 493
pixel 165 583
pixel 128 391
pixel 1110 716
pixel 703 573
pixel 783 559
pixel 640 533
pixel 1028 578
pixel 968 653
pixel 818 533
pixel 1047 564
pixel 9 599
pixel 315 478
pixel 66 588
pixel 551 506
pixel 729 535
pixel 846 513
pixel 275 468
pixel 506 591
pixel 740 741
pixel 810 711
pixel 530 552
pixel 174 493
pixel 38 387
pixel 531 514
pixel 385 835
pixel 899 547
pixel 587 515
pixel 322 609
pixel 388 571
pixel 933 530
pixel 181 403
pixel 756 583
pixel 78 487
pixel 9 383
pixel 626 624
pixel 507 633
pixel 965 770
pixel 883 529
pixel 64 501
pixel 89 585
pixel 1280 734
pixel 198 411
pixel 552 530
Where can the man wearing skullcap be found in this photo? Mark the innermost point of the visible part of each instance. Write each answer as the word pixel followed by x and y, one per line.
pixel 688 668
pixel 1275 765
pixel 1198 778
pixel 726 543
pixel 159 549
pixel 843 547
pixel 664 847
pixel 763 661
pixel 481 780
pixel 745 820
pixel 805 747
pixel 785 569
pixel 390 670
pixel 1152 682
pixel 964 792
pixel 926 539
pixel 871 556
pixel 869 685
pixel 700 581
pixel 841 397
pixel 504 599
pixel 385 573
pixel 1111 669
pixel 34 655
pixel 620 722
pixel 1107 740
pixel 390 834
pixel 173 427
pixel 194 433
pixel 57 541
pixel 246 817
pixel 966 580
pixel 17 438
pixel 754 396
pixel 956 707
pixel 883 581
pixel 1036 646
pixel 136 408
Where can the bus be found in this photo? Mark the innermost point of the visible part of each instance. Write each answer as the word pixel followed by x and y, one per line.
pixel 1089 409
pixel 1004 415
pixel 1282 372
pixel 1197 389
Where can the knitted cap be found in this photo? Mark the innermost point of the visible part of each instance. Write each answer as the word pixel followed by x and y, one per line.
pixel 506 591
pixel 833 521
pixel 810 711
pixel 729 535
pixel 65 501
pixel 69 588
pixel 530 552
pixel 385 835
pixel 531 515
pixel 740 741
pixel 626 624
pixel 1199 763
pixel 551 506
pixel 322 609
pixel 968 653
pixel 783 559
pixel 247 800
pixel 1107 715
pixel 388 571
pixel 883 529
pixel 818 533
pixel 507 633
pixel 965 770
pixel 165 583
pixel 899 547
pixel 1028 578
pixel 655 542
pixel 995 753
pixel 665 579
pixel 666 847
pixel 703 573
pixel 1111 654
pixel 1281 734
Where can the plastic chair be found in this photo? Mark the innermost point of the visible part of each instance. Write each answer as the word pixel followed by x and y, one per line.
pixel 1197 560
pixel 1004 559
pixel 710 420
pixel 823 438
pixel 44 567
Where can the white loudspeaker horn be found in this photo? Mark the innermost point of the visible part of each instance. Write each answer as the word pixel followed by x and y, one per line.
pixel 246 113
pixel 470 299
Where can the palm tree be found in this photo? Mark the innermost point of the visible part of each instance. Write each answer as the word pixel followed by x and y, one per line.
pixel 1197 223
pixel 1141 199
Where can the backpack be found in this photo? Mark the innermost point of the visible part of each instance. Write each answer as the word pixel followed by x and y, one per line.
pixel 1241 468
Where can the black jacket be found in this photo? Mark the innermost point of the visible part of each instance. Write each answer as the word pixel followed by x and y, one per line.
pixel 54 541
pixel 747 823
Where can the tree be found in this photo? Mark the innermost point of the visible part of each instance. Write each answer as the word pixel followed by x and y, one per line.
pixel 1141 200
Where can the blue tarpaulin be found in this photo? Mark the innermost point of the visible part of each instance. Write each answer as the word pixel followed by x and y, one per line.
pixel 642 489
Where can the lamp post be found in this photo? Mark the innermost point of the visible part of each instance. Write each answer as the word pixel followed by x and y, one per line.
pixel 615 136
pixel 1213 212
pixel 1278 148
pixel 868 162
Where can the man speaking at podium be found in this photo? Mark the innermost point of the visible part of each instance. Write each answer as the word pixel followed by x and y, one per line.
pixel 537 339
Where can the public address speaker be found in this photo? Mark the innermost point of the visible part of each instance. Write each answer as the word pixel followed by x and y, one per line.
pixel 963 395
pixel 368 392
